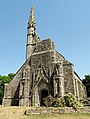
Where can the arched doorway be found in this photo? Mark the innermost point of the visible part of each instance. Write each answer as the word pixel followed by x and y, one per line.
pixel 44 93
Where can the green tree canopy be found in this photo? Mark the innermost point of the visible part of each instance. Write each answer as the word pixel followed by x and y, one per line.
pixel 86 82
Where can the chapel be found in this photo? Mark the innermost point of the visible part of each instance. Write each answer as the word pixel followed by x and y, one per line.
pixel 44 72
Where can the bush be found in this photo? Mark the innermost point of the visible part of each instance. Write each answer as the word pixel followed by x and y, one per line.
pixel 59 102
pixel 88 99
pixel 48 101
pixel 69 100
pixel 86 102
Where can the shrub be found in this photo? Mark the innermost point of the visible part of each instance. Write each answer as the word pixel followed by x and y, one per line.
pixel 86 102
pixel 59 102
pixel 69 100
pixel 48 101
pixel 88 99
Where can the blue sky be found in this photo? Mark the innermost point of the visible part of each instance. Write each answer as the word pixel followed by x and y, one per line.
pixel 66 22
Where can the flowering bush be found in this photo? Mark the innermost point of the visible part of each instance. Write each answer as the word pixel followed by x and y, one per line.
pixel 59 102
pixel 69 100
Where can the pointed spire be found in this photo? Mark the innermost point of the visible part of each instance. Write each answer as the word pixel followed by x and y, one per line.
pixel 32 22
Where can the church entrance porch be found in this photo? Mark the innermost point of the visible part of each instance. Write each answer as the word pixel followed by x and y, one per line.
pixel 43 94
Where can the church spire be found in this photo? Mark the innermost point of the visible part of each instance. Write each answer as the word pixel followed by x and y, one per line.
pixel 30 33
pixel 32 22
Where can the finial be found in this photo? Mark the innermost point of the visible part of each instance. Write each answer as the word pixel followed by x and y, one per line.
pixel 32 21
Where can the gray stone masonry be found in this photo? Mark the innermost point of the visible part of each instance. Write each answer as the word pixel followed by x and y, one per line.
pixel 45 72
pixel 60 110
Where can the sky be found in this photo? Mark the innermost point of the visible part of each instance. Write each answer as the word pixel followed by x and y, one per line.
pixel 66 22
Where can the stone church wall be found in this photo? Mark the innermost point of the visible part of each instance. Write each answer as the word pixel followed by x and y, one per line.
pixel 44 54
pixel 59 57
pixel 11 92
pixel 80 88
pixel 45 45
pixel 68 77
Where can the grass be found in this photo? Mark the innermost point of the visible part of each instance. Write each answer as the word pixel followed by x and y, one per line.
pixel 18 113
pixel 61 116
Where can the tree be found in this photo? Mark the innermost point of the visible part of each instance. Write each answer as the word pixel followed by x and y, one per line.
pixel 86 82
pixel 3 80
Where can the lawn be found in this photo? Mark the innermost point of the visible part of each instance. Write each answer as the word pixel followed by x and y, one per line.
pixel 18 113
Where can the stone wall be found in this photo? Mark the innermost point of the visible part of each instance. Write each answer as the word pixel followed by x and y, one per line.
pixel 80 88
pixel 68 77
pixel 45 45
pixel 11 91
pixel 45 70
pixel 60 110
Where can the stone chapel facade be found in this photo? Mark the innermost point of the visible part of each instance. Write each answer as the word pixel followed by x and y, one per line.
pixel 45 72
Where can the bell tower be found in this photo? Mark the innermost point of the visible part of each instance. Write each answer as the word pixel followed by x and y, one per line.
pixel 30 33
